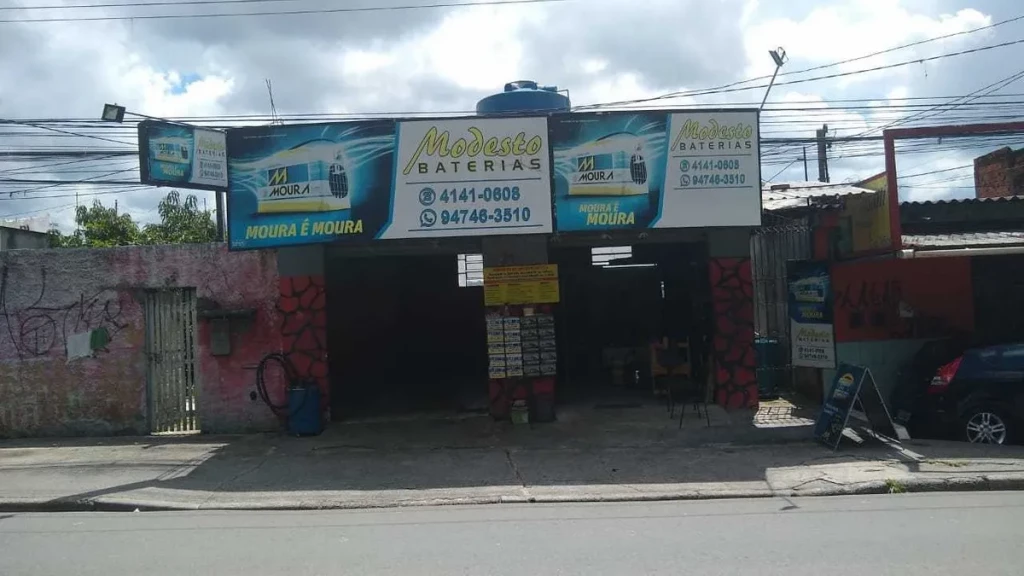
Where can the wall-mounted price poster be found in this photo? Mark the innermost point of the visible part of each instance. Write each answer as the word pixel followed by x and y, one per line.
pixel 536 284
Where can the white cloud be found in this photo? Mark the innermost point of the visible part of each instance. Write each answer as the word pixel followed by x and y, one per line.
pixel 446 59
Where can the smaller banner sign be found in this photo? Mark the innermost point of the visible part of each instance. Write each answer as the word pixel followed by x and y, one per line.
pixel 812 331
pixel 182 156
pixel 854 393
pixel 521 285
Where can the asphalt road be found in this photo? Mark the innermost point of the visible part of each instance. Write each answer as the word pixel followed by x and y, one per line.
pixel 933 534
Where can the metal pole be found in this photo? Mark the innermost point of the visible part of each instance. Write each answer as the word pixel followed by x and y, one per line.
pixel 769 90
pixel 220 216
pixel 805 164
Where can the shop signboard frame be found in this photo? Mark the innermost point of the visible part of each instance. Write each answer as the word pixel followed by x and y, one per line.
pixel 182 156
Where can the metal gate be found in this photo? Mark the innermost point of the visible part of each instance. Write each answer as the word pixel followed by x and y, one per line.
pixel 172 386
pixel 771 246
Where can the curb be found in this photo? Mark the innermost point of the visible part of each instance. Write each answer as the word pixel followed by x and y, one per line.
pixel 909 485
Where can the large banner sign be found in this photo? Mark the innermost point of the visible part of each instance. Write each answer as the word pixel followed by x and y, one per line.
pixel 434 178
pixel 654 169
pixel 182 156
pixel 471 177
pixel 309 183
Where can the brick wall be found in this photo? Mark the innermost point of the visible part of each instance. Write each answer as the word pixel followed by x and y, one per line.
pixel 46 296
pixel 999 173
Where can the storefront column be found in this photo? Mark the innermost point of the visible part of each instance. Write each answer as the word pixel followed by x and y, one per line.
pixel 734 364
pixel 501 251
pixel 302 306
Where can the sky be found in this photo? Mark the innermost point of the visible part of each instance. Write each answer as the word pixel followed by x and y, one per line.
pixel 444 59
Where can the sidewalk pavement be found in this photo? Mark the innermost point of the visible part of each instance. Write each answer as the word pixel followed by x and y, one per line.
pixel 477 461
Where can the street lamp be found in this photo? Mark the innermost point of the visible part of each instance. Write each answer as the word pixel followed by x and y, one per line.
pixel 779 57
pixel 113 113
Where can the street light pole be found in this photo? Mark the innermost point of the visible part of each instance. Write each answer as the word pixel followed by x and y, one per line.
pixel 779 57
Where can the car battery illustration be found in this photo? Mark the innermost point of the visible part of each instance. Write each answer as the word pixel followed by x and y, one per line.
pixel 311 186
pixel 613 165
pixel 171 149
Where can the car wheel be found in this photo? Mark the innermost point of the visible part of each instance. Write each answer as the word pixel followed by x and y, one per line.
pixel 986 425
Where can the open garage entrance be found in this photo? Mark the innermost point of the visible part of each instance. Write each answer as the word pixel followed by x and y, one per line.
pixel 620 301
pixel 405 333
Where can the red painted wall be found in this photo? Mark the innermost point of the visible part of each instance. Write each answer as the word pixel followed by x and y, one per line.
pixel 734 363
pixel 48 295
pixel 302 305
pixel 868 294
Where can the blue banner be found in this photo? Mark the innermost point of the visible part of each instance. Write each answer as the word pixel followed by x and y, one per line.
pixel 810 303
pixel 835 411
pixel 308 183
pixel 608 169
pixel 182 156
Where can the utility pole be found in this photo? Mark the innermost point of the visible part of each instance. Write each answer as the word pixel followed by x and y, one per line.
pixel 822 154
pixel 805 164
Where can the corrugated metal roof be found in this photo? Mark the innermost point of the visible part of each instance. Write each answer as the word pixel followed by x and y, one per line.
pixel 791 195
pixel 964 240
pixel 963 201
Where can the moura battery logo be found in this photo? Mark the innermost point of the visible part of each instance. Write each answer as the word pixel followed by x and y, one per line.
pixel 278 177
pixel 499 153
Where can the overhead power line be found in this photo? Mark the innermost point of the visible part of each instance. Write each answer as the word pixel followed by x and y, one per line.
pixel 140 4
pixel 720 90
pixel 282 12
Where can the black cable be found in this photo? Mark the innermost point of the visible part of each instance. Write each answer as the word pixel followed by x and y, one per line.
pixel 261 383
pixel 283 12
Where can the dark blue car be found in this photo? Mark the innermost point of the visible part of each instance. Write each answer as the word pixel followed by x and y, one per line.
pixel 977 396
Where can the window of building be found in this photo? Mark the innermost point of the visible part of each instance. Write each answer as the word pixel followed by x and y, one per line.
pixel 471 270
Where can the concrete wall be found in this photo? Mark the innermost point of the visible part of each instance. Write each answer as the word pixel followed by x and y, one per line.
pixel 885 359
pixel 18 239
pixel 46 296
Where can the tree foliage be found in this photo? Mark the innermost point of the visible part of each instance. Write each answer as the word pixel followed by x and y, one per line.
pixel 99 226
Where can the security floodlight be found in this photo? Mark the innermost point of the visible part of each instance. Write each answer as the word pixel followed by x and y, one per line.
pixel 113 113
pixel 779 56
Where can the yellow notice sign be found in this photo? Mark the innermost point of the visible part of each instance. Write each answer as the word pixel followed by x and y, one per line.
pixel 521 285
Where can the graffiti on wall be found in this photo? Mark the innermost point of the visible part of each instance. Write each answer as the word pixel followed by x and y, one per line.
pixel 734 363
pixel 303 308
pixel 42 328
pixel 900 299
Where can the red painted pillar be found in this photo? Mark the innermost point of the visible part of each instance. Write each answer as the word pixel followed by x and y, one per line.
pixel 303 308
pixel 733 360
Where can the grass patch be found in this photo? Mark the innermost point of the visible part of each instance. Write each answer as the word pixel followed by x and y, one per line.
pixel 895 486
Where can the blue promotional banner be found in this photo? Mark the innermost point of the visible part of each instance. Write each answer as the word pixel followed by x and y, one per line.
pixel 309 183
pixel 810 303
pixel 609 169
pixel 302 184
pixel 182 156
pixel 656 169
